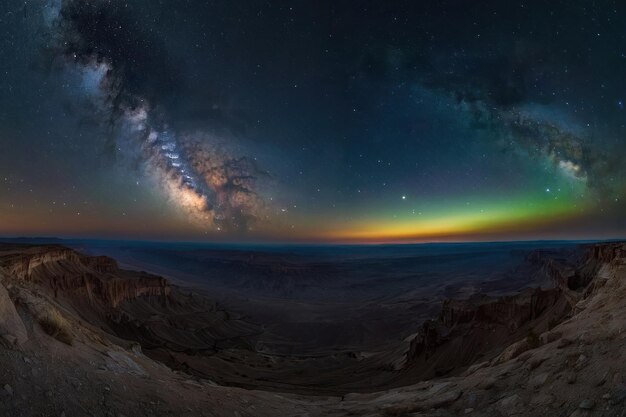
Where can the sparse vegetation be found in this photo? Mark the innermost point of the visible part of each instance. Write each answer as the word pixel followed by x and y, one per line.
pixel 54 324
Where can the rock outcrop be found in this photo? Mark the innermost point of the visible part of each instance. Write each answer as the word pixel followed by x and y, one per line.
pixel 575 369
pixel 138 307
pixel 478 328
pixel 81 278
pixel 12 330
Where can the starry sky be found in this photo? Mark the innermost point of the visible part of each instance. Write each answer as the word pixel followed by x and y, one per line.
pixel 320 121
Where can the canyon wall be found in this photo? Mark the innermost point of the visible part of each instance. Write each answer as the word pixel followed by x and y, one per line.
pixel 478 328
pixel 95 279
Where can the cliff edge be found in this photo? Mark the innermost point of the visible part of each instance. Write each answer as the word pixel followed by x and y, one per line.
pixel 80 336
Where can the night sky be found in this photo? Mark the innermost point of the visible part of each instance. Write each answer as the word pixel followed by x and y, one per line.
pixel 334 121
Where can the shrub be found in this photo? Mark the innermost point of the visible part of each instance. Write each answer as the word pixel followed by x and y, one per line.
pixel 54 324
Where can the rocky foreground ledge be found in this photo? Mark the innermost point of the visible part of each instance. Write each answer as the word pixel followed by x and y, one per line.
pixel 63 350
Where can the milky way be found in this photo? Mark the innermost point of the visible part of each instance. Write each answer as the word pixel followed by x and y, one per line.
pixel 214 188
pixel 313 121
pixel 572 153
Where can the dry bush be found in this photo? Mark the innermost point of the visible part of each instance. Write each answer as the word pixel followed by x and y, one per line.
pixel 54 324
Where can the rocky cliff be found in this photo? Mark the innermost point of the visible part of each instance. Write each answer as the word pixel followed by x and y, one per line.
pixel 66 321
pixel 78 277
pixel 55 283
pixel 479 328
pixel 576 368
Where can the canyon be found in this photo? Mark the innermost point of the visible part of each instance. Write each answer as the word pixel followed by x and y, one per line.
pixel 80 335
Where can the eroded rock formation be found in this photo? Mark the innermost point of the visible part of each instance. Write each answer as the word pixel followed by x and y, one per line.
pixel 477 328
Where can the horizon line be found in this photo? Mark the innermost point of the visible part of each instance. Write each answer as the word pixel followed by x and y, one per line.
pixel 307 243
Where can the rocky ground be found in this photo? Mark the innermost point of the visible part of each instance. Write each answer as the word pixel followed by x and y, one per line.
pixel 61 355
